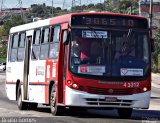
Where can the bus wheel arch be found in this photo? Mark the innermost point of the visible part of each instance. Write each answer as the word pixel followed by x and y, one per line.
pixel 21 105
pixel 55 109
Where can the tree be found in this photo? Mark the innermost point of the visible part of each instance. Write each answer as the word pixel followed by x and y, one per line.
pixel 4 31
pixel 109 5
pixel 122 6
pixel 128 6
pixel 14 21
pixel 3 51
pixel 157 50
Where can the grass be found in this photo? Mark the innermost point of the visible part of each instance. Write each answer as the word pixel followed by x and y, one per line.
pixel 2 59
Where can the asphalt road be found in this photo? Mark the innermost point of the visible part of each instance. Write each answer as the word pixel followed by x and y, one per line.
pixel 10 113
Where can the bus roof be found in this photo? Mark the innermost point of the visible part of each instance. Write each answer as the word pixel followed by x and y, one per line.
pixel 108 13
pixel 62 19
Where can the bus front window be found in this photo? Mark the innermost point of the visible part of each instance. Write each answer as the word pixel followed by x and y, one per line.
pixel 130 54
pixel 88 51
pixel 109 52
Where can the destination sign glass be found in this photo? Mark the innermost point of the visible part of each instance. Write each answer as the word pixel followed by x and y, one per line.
pixel 109 21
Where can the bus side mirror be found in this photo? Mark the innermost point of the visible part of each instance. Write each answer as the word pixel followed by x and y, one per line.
pixel 152 45
pixel 65 37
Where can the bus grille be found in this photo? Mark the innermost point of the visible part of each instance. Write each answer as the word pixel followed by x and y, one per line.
pixel 103 102
pixel 104 91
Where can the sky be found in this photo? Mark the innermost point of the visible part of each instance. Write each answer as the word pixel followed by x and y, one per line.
pixel 56 3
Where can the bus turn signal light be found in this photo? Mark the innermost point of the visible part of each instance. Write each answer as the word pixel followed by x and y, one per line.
pixel 69 82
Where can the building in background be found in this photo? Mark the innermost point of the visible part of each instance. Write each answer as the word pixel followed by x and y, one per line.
pixel 144 7
pixel 13 11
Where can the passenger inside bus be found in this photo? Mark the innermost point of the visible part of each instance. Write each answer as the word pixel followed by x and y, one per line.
pixel 125 50
pixel 96 52
pixel 89 51
pixel 80 49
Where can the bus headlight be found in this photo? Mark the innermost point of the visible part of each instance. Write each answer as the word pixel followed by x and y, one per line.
pixel 144 89
pixel 75 86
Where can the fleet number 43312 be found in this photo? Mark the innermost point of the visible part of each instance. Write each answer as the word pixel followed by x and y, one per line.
pixel 131 84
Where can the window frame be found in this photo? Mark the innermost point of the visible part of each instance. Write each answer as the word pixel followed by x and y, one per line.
pixel 36 45
pixel 14 48
pixel 21 47
pixel 20 39
pixel 42 43
pixel 52 39
pixel 34 36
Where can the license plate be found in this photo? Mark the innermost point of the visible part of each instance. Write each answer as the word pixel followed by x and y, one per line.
pixel 111 99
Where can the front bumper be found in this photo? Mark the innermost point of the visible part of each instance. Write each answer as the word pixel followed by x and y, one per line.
pixel 84 99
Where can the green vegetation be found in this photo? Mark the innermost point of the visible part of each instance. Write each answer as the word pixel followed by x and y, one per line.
pixel 3 59
pixel 156 54
pixel 3 53
pixel 122 6
pixel 4 31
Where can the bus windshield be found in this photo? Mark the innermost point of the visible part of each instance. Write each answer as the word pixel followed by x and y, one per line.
pixel 109 52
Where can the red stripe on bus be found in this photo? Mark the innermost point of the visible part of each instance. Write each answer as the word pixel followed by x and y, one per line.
pixel 30 83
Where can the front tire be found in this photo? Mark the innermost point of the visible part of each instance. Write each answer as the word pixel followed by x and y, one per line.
pixel 53 105
pixel 21 105
pixel 125 113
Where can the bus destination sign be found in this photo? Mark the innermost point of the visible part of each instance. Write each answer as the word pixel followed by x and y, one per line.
pixel 109 21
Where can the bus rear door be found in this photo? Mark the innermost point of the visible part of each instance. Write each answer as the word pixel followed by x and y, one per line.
pixel 29 35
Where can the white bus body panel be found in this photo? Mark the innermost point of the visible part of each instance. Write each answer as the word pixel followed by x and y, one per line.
pixel 11 91
pixel 37 93
pixel 14 72
pixel 30 26
pixel 37 75
pixel 78 98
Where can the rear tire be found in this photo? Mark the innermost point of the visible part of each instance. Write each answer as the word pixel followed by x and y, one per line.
pixel 125 113
pixel 21 105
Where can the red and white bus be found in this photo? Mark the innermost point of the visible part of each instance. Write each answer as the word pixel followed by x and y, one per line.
pixel 87 60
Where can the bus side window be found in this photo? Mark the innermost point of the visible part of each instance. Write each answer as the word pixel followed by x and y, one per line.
pixel 36 44
pixel 54 43
pixel 21 46
pixel 14 47
pixel 55 34
pixel 44 43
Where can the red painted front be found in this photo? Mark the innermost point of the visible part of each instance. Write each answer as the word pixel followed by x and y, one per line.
pixel 90 85
pixel 102 87
pixel 50 75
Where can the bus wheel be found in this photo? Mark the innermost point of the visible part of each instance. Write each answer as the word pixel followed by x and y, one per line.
pixel 125 113
pixel 53 105
pixel 21 105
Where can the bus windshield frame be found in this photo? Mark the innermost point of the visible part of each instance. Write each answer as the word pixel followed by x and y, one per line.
pixel 115 59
